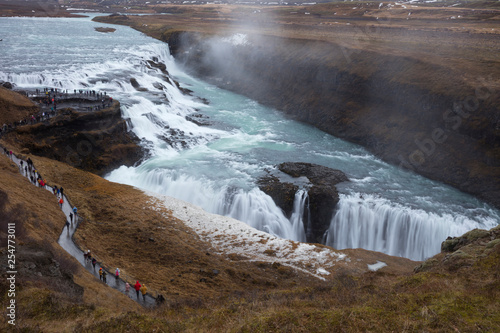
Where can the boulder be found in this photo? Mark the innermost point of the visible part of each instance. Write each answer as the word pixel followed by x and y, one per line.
pixel 322 194
pixel 7 85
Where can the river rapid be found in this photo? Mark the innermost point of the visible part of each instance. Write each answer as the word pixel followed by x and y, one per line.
pixel 215 166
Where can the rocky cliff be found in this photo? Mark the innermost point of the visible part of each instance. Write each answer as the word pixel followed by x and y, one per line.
pixel 410 111
pixel 96 141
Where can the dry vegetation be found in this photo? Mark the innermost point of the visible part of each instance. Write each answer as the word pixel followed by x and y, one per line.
pixel 14 107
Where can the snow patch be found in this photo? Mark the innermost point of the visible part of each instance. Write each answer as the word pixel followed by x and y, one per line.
pixel 376 266
pixel 230 236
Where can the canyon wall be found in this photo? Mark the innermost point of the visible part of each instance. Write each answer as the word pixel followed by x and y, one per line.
pixel 413 112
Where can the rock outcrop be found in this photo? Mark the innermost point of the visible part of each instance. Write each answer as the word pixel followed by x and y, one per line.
pixel 96 141
pixel 321 191
pixel 474 248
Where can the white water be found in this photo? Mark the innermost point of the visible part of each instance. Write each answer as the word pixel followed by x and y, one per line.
pixel 215 167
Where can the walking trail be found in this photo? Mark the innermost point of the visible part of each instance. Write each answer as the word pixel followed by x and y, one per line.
pixel 67 243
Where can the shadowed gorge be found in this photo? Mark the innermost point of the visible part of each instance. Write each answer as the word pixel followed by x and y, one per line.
pixel 409 111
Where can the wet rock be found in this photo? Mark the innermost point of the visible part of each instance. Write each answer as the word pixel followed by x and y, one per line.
pixel 136 85
pixel 322 194
pixel 7 85
pixel 283 193
pixel 158 86
pixel 104 29
pixel 199 119
pixel 156 64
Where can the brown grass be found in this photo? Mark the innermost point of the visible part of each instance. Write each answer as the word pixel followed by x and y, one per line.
pixel 14 107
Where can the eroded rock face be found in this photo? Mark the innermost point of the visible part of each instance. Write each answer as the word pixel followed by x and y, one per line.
pixel 93 141
pixel 322 194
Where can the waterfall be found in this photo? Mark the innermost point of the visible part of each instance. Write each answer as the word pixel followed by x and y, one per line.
pixel 301 210
pixel 372 223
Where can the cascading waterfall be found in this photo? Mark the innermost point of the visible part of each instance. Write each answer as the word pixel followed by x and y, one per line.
pixel 216 167
pixel 376 224
pixel 300 211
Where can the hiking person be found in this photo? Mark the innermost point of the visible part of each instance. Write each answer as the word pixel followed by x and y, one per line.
pixel 104 274
pixel 67 226
pixel 94 261
pixel 144 290
pixel 127 287
pixel 137 287
pixel 89 256
pixel 100 273
pixel 71 217
pixel 61 201
pixel 117 273
pixel 61 191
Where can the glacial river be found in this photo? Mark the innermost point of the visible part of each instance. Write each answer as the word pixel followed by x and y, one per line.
pixel 382 208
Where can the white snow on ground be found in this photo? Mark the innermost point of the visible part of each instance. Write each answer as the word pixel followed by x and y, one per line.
pixel 376 266
pixel 230 236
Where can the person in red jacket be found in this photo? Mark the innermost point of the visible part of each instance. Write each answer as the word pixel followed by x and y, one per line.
pixel 137 287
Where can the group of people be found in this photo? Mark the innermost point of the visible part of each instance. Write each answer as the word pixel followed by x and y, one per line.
pixel 49 98
pixel 103 277
pixel 36 178
pixel 138 287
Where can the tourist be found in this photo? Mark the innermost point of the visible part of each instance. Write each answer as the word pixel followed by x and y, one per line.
pixel 144 290
pixel 71 217
pixel 137 287
pixel 94 261
pixel 104 274
pixel 127 287
pixel 117 273
pixel 61 201
pixel 61 191
pixel 100 273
